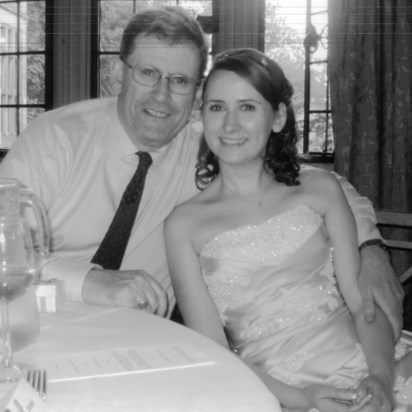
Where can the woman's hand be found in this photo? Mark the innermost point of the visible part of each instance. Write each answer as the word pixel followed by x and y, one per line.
pixel 373 395
pixel 328 399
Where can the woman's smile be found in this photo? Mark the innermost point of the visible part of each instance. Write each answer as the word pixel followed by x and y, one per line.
pixel 230 141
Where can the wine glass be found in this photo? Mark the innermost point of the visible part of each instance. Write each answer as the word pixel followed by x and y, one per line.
pixel 17 271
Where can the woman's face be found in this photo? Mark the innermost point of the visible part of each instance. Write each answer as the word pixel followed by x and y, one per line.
pixel 237 119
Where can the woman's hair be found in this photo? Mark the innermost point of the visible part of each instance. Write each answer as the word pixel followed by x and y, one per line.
pixel 168 23
pixel 268 79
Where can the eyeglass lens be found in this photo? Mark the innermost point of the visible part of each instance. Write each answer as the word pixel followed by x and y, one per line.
pixel 149 76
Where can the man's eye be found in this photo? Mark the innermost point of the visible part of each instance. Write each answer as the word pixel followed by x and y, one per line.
pixel 180 80
pixel 149 72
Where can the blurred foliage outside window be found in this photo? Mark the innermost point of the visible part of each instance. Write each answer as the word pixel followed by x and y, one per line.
pixel 22 66
pixel 114 16
pixel 285 37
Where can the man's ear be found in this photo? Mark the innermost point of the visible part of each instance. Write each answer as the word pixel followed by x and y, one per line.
pixel 280 118
pixel 116 75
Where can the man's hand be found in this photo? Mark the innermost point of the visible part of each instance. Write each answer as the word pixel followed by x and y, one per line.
pixel 373 395
pixel 129 288
pixel 380 285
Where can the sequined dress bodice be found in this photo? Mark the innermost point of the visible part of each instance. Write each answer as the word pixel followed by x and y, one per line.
pixel 275 290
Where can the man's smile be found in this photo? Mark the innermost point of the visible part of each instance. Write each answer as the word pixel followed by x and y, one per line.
pixel 156 113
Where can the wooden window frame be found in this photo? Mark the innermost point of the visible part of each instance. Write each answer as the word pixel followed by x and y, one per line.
pixel 19 54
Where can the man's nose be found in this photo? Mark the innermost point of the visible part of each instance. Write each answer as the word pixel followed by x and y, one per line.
pixel 161 89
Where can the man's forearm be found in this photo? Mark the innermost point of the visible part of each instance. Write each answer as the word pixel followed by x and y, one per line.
pixel 380 285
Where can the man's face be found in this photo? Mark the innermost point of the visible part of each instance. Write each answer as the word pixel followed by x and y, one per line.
pixel 154 115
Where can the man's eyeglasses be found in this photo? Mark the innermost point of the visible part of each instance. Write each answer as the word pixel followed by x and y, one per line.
pixel 150 76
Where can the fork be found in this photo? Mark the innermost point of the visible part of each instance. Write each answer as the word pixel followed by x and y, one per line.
pixel 38 380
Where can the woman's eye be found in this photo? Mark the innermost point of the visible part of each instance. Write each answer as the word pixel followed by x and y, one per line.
pixel 248 107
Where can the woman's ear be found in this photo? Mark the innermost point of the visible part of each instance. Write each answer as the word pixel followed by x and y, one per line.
pixel 116 75
pixel 280 118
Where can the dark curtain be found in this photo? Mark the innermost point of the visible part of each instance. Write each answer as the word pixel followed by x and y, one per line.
pixel 370 72
pixel 370 63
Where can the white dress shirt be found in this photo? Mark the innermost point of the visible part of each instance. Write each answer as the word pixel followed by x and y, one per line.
pixel 79 160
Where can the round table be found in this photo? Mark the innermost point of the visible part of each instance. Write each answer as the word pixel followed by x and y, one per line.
pixel 210 379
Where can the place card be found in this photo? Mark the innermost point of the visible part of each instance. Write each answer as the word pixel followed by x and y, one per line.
pixel 122 361
pixel 23 398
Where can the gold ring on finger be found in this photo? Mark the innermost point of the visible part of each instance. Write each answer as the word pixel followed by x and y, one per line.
pixel 142 304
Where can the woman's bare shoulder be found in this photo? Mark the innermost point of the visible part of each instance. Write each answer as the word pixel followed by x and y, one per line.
pixel 316 178
pixel 183 213
pixel 191 212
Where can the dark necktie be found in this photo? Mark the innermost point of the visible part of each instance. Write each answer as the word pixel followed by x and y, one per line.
pixel 110 253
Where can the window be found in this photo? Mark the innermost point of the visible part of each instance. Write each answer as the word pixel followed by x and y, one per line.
pixel 22 66
pixel 86 37
pixel 113 16
pixel 296 37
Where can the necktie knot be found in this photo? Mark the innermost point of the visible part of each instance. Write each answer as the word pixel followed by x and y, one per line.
pixel 134 189
pixel 145 160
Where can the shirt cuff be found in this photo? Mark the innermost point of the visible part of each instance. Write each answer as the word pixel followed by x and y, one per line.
pixel 72 273
pixel 366 229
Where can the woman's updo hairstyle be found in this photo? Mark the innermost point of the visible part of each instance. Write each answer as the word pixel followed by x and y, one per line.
pixel 268 79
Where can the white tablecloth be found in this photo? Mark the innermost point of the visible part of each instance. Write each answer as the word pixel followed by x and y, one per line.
pixel 223 383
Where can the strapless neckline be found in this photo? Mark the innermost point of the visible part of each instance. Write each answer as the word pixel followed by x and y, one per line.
pixel 288 221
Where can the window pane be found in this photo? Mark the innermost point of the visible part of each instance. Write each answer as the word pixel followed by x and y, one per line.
pixel 8 127
pixel 114 17
pixel 8 29
pixel 319 17
pixel 320 134
pixel 141 4
pixel 202 8
pixel 318 86
pixel 22 75
pixel 320 22
pixel 286 38
pixel 285 25
pixel 32 79
pixel 32 26
pixel 107 88
pixel 8 85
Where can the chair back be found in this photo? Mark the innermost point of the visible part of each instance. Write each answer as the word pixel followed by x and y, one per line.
pixel 399 220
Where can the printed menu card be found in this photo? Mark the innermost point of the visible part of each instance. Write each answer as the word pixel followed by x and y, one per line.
pixel 124 361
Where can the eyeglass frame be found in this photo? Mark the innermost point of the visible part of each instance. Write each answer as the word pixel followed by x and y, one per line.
pixel 161 75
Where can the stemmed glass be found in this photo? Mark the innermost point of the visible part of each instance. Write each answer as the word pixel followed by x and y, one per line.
pixel 17 270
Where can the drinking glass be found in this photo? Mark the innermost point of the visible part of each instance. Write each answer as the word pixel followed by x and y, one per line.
pixel 17 270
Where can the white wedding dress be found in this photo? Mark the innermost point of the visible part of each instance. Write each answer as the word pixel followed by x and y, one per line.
pixel 275 289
